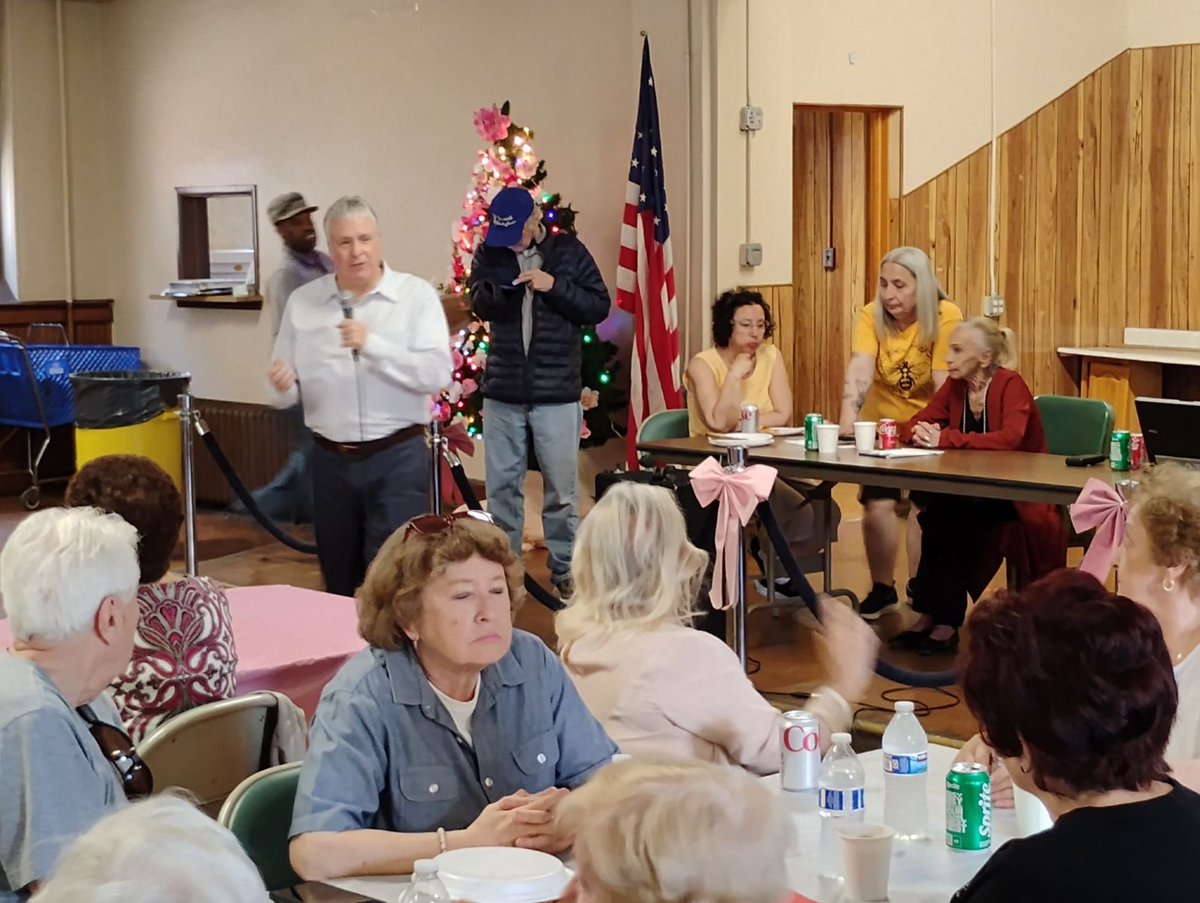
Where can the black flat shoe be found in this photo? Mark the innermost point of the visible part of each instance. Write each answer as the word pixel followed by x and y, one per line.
pixel 939 647
pixel 909 640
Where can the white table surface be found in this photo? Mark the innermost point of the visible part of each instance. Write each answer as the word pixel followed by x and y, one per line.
pixel 923 871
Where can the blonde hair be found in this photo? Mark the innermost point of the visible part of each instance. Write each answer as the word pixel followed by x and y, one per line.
pixel 1167 505
pixel 649 831
pixel 390 596
pixel 633 565
pixel 929 294
pixel 999 340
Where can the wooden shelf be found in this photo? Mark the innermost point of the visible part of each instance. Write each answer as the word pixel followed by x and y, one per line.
pixel 220 302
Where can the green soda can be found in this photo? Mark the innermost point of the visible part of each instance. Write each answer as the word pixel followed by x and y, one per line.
pixel 1119 451
pixel 968 808
pixel 810 430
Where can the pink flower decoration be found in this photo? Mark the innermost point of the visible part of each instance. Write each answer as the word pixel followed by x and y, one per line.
pixel 491 124
pixel 589 398
pixel 469 387
pixel 456 359
pixel 585 432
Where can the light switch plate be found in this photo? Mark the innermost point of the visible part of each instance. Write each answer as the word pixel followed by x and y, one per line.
pixel 751 254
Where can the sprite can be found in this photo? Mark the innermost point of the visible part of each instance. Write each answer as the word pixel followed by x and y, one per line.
pixel 968 808
pixel 810 430
pixel 1119 457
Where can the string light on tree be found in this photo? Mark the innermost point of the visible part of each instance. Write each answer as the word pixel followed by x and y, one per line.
pixel 510 159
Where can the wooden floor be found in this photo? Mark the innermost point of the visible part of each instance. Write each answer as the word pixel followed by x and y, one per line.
pixel 234 550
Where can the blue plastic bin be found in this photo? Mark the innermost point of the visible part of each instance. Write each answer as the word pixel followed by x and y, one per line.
pixel 52 369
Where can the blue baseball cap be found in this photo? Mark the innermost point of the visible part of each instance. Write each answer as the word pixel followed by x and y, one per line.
pixel 507 215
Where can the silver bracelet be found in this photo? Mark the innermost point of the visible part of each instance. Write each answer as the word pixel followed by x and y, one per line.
pixel 441 833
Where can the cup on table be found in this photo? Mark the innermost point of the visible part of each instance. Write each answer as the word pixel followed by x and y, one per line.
pixel 866 860
pixel 827 438
pixel 1032 816
pixel 620 757
pixel 864 435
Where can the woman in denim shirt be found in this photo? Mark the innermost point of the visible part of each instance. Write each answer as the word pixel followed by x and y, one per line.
pixel 451 729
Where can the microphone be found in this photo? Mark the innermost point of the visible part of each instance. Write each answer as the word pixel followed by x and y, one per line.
pixel 348 312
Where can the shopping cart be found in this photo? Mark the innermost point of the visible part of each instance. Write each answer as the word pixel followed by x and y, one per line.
pixel 35 394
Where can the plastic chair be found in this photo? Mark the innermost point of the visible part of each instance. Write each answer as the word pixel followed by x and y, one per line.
pixel 210 749
pixel 1075 426
pixel 259 813
pixel 664 425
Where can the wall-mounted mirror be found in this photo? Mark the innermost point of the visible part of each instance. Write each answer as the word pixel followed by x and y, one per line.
pixel 218 239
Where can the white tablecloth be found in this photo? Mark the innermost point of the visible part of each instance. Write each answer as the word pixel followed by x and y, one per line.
pixel 923 871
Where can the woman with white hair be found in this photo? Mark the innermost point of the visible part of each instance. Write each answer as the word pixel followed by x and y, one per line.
pixel 657 686
pixel 156 850
pixel 680 831
pixel 897 362
pixel 68 581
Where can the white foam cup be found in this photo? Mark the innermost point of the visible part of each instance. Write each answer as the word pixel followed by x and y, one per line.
pixel 864 435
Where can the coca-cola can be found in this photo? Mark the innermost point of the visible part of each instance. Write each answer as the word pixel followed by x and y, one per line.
pixel 749 419
pixel 888 437
pixel 800 747
pixel 1137 451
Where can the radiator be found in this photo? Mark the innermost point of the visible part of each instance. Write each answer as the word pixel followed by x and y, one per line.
pixel 256 438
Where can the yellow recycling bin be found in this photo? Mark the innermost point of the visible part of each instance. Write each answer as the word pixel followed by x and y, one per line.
pixel 130 413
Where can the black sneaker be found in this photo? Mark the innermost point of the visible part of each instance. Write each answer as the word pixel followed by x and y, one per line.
pixel 783 588
pixel 565 587
pixel 878 600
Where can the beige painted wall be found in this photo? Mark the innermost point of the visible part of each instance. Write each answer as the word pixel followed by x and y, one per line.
pixel 358 96
pixel 1157 23
pixel 869 52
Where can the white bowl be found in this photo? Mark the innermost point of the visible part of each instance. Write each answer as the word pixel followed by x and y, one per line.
pixel 733 440
pixel 502 875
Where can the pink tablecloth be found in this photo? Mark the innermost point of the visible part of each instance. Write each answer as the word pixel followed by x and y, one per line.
pixel 288 639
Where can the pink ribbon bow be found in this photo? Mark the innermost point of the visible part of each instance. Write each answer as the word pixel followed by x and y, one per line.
pixel 1100 506
pixel 737 494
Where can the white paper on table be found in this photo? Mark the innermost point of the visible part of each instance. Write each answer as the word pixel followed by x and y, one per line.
pixel 902 452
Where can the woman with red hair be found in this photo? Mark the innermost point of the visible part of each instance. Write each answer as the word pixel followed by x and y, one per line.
pixel 1073 689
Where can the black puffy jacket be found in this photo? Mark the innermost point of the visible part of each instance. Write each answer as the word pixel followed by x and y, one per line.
pixel 549 373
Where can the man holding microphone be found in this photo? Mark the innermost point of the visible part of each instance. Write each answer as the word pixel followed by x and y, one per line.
pixel 369 346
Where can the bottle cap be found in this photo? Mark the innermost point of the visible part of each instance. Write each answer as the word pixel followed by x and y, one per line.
pixel 841 738
pixel 425 868
pixel 904 706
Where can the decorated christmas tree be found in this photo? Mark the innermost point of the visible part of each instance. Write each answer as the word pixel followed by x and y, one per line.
pixel 509 159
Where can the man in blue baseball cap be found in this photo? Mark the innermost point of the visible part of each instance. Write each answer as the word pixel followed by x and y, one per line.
pixel 537 288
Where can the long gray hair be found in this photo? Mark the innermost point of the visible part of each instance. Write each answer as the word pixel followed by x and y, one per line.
pixel 929 293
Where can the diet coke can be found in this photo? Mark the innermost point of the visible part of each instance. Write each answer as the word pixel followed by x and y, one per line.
pixel 1137 451
pixel 887 433
pixel 749 421
pixel 800 746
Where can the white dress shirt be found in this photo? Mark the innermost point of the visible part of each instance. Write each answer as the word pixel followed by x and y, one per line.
pixel 405 360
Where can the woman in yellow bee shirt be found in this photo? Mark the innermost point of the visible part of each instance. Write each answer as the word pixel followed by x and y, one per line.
pixel 743 367
pixel 897 363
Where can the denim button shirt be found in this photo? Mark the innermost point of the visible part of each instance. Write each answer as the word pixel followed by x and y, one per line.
pixel 385 754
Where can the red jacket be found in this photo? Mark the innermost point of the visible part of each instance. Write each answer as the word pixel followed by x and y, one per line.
pixel 1037 544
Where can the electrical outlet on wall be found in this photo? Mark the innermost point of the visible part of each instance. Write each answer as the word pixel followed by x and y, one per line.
pixel 751 254
pixel 751 119
pixel 993 306
pixel 829 258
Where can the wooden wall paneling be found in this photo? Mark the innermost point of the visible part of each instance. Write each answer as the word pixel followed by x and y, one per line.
pixel 1065 303
pixel 978 262
pixel 942 252
pixel 1192 309
pixel 1115 231
pixel 1157 168
pixel 1135 237
pixel 1044 253
pixel 837 345
pixel 1010 156
pixel 1025 322
pixel 1087 259
pixel 1180 236
pixel 837 280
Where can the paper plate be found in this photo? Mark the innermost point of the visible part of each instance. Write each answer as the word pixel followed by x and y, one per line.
pixel 732 440
pixel 786 430
pixel 502 875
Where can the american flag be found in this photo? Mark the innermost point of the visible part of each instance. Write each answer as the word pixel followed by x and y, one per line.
pixel 645 275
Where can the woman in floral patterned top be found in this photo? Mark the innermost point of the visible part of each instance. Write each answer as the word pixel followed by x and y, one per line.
pixel 183 654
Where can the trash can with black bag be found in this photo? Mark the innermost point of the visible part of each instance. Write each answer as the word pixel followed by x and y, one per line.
pixel 701 529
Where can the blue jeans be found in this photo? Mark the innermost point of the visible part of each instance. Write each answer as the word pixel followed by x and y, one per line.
pixel 555 429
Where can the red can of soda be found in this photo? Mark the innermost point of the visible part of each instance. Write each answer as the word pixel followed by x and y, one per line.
pixel 887 433
pixel 1137 451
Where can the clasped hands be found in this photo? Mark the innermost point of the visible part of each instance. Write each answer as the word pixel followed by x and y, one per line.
pixel 522 819
pixel 926 435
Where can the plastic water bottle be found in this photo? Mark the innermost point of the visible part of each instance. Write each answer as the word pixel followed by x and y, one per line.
pixel 906 774
pixel 841 797
pixel 426 887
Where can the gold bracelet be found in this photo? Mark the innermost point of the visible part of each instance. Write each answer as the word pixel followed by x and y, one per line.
pixel 441 833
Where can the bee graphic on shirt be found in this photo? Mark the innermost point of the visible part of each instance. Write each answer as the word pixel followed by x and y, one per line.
pixel 906 381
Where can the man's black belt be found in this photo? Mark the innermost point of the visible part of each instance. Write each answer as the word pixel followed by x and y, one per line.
pixel 366 449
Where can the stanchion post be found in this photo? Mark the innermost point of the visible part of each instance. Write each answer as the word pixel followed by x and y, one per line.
pixel 189 482
pixel 735 461
pixel 436 441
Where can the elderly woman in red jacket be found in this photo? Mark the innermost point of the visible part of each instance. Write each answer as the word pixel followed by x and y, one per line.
pixel 983 405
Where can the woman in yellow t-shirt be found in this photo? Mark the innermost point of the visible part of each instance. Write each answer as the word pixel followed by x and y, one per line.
pixel 743 368
pixel 897 363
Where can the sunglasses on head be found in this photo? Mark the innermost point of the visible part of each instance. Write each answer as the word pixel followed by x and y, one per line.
pixel 118 748
pixel 432 524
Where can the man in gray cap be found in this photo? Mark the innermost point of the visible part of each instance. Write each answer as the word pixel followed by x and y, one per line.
pixel 289 495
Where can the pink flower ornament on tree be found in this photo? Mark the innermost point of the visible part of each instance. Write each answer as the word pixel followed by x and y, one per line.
pixel 491 124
